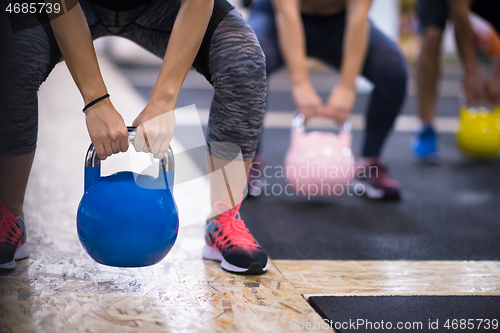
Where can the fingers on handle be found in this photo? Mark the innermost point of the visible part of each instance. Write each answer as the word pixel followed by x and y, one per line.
pixel 145 134
pixel 155 150
pixel 108 149
pixel 115 147
pixel 100 151
pixel 122 141
pixel 163 149
pixel 123 144
pixel 139 142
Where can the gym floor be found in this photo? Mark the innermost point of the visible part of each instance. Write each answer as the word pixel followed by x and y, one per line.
pixel 439 240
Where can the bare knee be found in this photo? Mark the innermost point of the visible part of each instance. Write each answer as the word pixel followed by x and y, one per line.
pixel 431 41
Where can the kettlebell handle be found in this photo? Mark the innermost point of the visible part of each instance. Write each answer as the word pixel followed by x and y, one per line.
pixel 298 122
pixel 167 163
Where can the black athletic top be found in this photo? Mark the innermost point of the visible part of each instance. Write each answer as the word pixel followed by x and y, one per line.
pixel 120 5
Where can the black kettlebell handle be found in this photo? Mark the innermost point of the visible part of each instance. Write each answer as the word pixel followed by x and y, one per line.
pixel 167 163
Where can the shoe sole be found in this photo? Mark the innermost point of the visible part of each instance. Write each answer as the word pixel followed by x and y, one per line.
pixel 376 193
pixel 21 253
pixel 255 268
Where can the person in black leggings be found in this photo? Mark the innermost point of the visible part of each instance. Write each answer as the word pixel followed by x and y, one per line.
pixel 342 36
pixel 209 35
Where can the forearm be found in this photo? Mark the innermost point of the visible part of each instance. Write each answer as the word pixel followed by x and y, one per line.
pixel 185 40
pixel 291 39
pixel 459 10
pixel 75 42
pixel 355 46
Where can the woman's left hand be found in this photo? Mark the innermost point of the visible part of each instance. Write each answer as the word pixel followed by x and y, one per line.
pixel 339 105
pixel 155 128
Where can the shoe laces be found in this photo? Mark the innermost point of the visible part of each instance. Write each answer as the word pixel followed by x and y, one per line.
pixel 9 226
pixel 232 226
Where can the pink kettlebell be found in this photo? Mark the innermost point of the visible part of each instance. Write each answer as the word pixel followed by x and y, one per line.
pixel 319 163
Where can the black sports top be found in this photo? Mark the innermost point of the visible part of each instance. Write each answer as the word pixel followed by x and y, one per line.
pixel 120 5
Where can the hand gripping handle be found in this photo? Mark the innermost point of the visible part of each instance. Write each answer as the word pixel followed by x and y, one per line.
pixel 167 163
pixel 298 122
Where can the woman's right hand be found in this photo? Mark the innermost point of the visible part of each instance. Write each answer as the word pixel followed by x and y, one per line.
pixel 307 100
pixel 493 88
pixel 474 87
pixel 107 129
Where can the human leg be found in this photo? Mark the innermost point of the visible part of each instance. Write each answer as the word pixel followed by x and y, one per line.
pixel 27 54
pixel 237 66
pixel 262 21
pixel 428 72
pixel 14 175
pixel 433 16
pixel 386 68
pixel 23 70
pixel 424 145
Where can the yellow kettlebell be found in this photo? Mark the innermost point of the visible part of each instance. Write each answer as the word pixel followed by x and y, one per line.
pixel 479 131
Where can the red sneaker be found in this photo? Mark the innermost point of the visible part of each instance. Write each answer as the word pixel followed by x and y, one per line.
pixel 12 239
pixel 230 242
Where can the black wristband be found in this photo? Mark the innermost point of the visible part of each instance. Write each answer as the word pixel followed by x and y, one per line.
pixel 95 101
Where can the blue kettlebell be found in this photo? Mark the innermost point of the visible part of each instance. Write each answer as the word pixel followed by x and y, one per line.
pixel 127 219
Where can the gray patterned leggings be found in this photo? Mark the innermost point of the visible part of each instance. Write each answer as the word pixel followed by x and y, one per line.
pixel 236 69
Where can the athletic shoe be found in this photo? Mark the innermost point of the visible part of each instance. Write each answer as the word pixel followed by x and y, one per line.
pixel 254 180
pixel 374 178
pixel 12 239
pixel 230 242
pixel 424 146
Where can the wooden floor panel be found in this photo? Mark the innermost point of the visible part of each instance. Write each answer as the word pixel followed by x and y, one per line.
pixel 357 277
pixel 65 291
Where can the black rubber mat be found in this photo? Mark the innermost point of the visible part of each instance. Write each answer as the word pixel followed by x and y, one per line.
pixel 407 313
pixel 448 212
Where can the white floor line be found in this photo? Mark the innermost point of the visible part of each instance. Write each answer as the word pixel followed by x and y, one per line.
pixel 282 119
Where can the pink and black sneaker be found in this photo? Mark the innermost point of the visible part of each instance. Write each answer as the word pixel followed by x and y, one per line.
pixel 230 242
pixel 12 239
pixel 375 180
